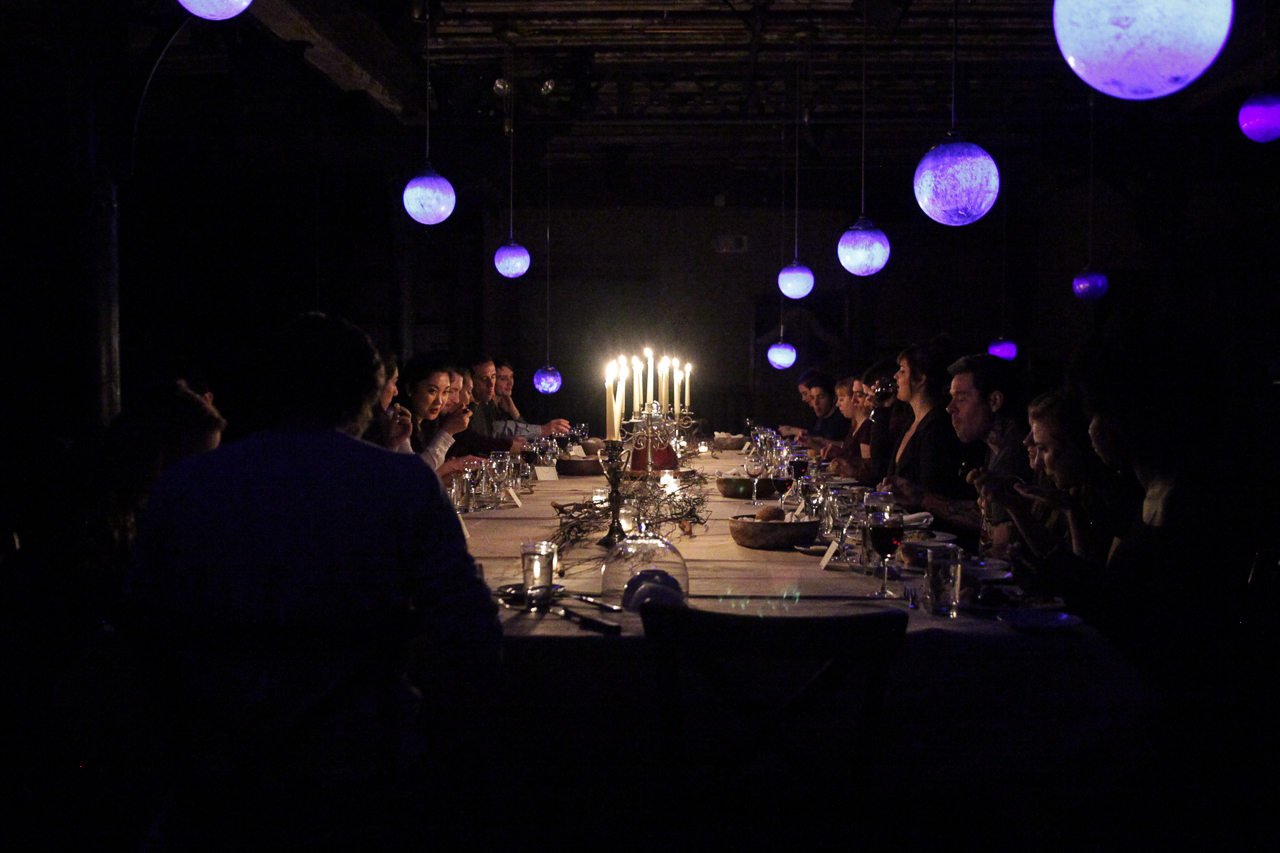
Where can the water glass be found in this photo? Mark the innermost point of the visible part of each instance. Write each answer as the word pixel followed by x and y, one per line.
pixel 538 563
pixel 942 591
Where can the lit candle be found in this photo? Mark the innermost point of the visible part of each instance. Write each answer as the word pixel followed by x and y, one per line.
pixel 637 373
pixel 675 385
pixel 619 401
pixel 664 370
pixel 688 383
pixel 610 373
pixel 648 394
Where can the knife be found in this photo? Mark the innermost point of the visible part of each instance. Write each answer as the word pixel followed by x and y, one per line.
pixel 584 621
pixel 603 605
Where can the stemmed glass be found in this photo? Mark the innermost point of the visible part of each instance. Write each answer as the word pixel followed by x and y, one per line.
pixel 884 535
pixel 755 465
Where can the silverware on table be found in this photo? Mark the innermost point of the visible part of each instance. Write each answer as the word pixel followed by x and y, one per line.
pixel 603 605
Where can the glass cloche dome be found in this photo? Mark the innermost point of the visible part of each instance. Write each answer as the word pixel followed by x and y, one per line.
pixel 644 567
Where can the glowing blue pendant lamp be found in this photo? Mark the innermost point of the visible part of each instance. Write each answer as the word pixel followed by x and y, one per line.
pixel 1141 49
pixel 956 182
pixel 215 10
pixel 863 249
pixel 796 280
pixel 428 198
pixel 1090 284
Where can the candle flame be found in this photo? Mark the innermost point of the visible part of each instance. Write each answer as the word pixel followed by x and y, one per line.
pixel 611 371
pixel 664 364
pixel 675 364
pixel 635 362
pixel 648 353
pixel 622 372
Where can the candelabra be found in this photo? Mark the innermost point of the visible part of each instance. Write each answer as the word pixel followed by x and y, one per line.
pixel 614 460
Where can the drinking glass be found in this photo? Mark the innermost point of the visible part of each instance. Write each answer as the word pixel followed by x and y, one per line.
pixel 537 568
pixel 884 535
pixel 755 465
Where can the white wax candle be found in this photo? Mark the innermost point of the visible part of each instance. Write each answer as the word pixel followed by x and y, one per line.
pixel 610 373
pixel 676 395
pixel 688 383
pixel 664 372
pixel 648 394
pixel 620 400
pixel 637 373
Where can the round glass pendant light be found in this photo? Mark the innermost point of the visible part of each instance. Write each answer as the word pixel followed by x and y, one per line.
pixel 782 355
pixel 215 10
pixel 795 280
pixel 511 259
pixel 429 198
pixel 1089 284
pixel 1141 49
pixel 547 380
pixel 863 249
pixel 1003 348
pixel 956 182
pixel 1260 117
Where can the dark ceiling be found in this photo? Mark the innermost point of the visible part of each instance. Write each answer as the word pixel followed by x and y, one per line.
pixel 701 82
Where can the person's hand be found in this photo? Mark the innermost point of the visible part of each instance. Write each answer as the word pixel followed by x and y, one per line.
pixel 401 426
pixel 456 422
pixel 841 467
pixel 506 404
pixel 995 489
pixel 828 452
pixel 905 492
pixel 457 465
pixel 1056 498
pixel 790 431
pixel 517 445
pixel 554 427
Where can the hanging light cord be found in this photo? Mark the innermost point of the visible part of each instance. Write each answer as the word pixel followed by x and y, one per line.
pixel 863 214
pixel 797 196
pixel 955 41
pixel 426 52
pixel 1089 248
pixel 508 103
pixel 548 362
pixel 142 99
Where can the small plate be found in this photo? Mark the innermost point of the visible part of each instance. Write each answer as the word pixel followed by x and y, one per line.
pixel 1038 620
pixel 515 591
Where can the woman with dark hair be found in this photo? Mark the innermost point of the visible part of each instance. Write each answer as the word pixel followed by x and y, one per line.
pixel 426 386
pixel 929 455
pixel 391 424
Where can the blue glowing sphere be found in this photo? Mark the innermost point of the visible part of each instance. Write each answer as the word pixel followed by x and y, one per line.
pixel 956 182
pixel 782 355
pixel 511 259
pixel 215 10
pixel 547 380
pixel 796 280
pixel 1089 284
pixel 863 249
pixel 1140 49
pixel 429 198
pixel 1260 117
pixel 1003 348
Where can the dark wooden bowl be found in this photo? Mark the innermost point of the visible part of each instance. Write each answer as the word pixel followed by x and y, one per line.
pixel 740 488
pixel 771 535
pixel 572 466
pixel 730 442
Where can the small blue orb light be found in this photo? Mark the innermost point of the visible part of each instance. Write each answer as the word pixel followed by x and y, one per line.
pixel 1140 49
pixel 956 182
pixel 1003 348
pixel 547 380
pixel 511 259
pixel 1089 284
pixel 1260 117
pixel 796 280
pixel 215 10
pixel 782 355
pixel 863 249
pixel 429 198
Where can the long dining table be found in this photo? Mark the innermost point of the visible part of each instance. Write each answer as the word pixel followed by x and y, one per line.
pixel 973 705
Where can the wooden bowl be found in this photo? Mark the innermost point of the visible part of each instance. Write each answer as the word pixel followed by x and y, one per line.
pixel 740 488
pixel 729 442
pixel 572 466
pixel 771 535
pixel 592 446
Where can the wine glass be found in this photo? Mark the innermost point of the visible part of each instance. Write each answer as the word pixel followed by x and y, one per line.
pixel 884 535
pixel 755 465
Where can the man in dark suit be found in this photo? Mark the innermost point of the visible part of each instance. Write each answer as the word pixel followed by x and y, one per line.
pixel 287 577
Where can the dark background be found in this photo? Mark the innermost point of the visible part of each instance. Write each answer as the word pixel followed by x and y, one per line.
pixel 254 188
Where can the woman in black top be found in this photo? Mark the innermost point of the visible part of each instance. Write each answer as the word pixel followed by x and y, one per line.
pixel 929 456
